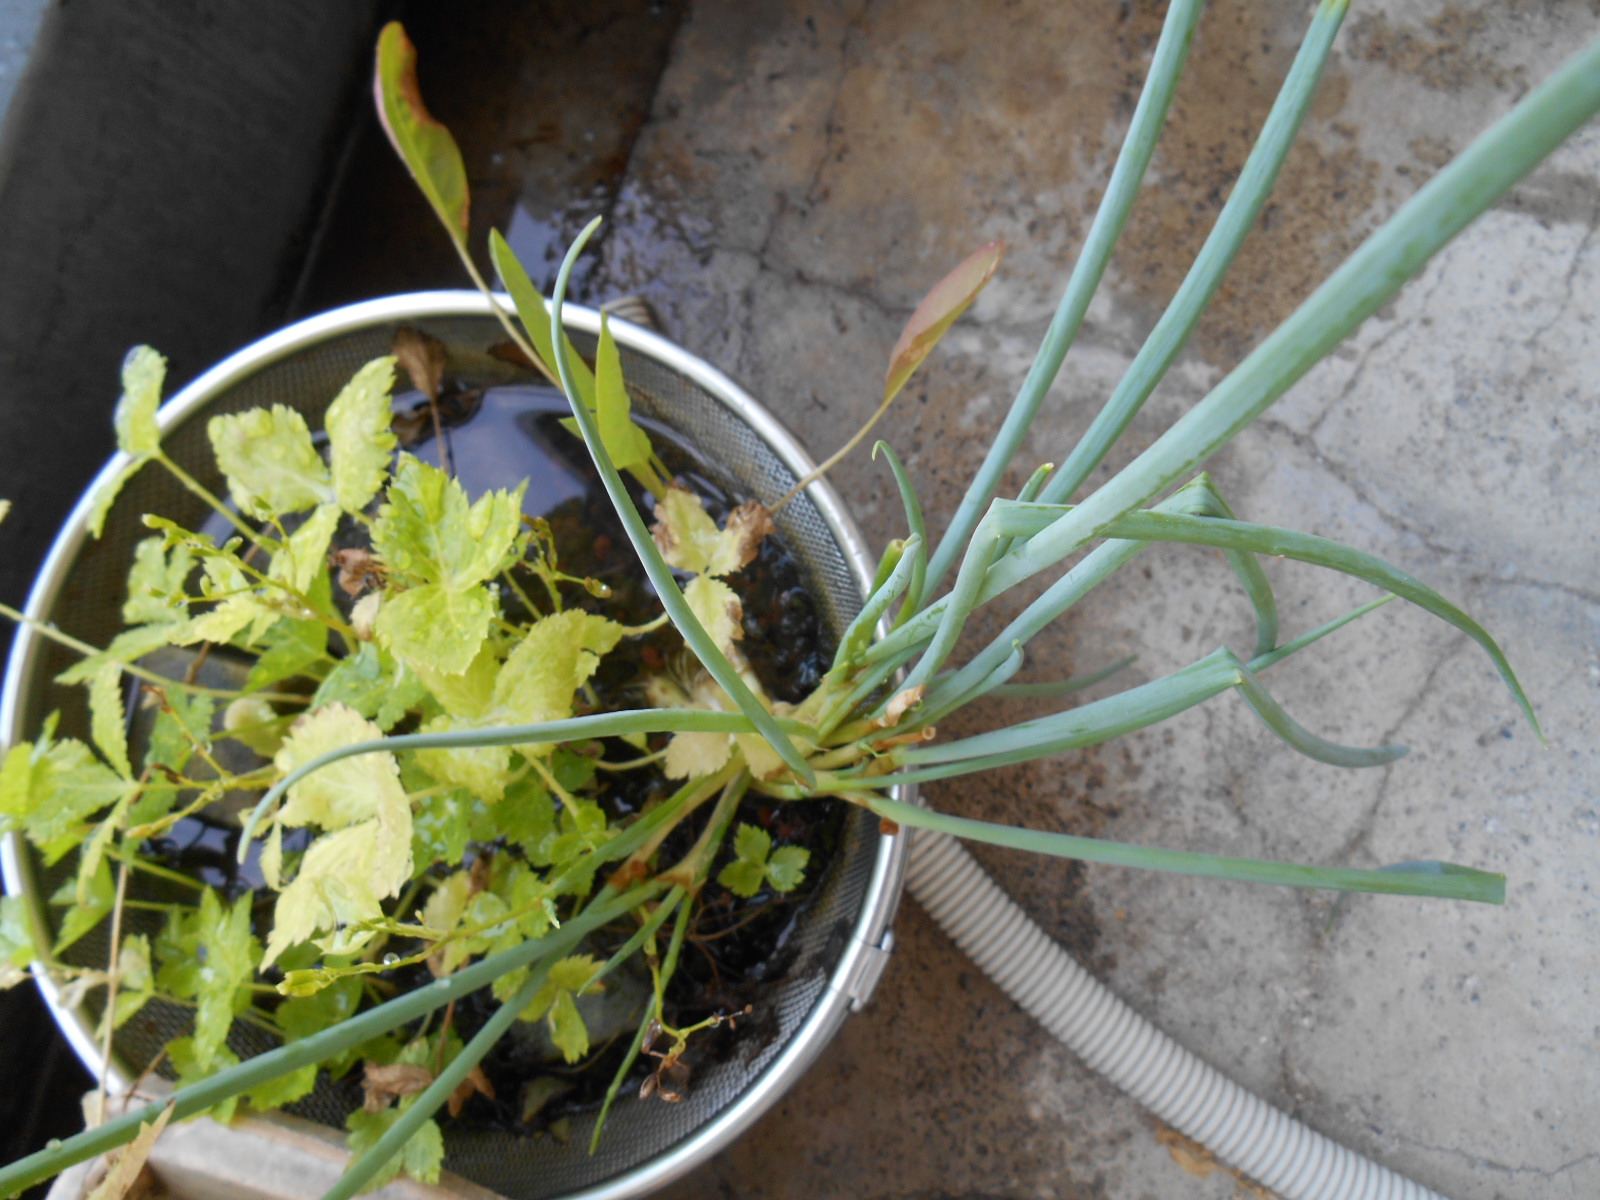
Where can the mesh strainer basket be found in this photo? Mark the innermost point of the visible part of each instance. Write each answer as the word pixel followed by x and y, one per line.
pixel 842 942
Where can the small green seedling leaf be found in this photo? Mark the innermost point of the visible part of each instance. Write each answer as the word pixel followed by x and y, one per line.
pixel 949 298
pixel 556 1001
pixel 787 866
pixel 755 864
pixel 424 145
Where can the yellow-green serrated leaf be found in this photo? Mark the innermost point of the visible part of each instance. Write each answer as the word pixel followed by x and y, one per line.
pixel 285 1089
pixel 567 1029
pixel 180 1053
pixel 574 972
pixel 143 373
pixel 136 982
pixel 106 495
pixel 372 683
pixel 546 668
pixel 482 770
pixel 225 959
pixel 334 889
pixel 108 718
pixel 272 859
pixel 421 1158
pixel 253 722
pixel 442 913
pixel 16 941
pixel 86 911
pixel 155 583
pixel 239 607
pixel 269 459
pixel 717 607
pixel 685 533
pixel 427 532
pixel 694 754
pixel 424 145
pixel 353 789
pixel 16 783
pixel 752 844
pixel 435 627
pixel 627 444
pixel 360 437
pixel 759 756
pixel 67 785
pixel 467 694
pixel 94 848
pixel 305 553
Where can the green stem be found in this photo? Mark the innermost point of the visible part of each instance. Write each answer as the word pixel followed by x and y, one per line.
pixel 655 567
pixel 1238 217
pixel 1459 193
pixel 654 720
pixel 193 485
pixel 1165 67
pixel 1443 880
pixel 49 631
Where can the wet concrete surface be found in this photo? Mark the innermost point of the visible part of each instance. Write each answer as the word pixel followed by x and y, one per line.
pixel 784 179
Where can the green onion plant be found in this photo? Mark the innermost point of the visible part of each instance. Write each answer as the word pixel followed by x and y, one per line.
pixel 434 714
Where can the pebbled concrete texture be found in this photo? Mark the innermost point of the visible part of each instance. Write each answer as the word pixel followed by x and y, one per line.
pixel 808 169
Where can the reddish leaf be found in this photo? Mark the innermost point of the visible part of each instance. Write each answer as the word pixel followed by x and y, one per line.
pixel 424 145
pixel 938 311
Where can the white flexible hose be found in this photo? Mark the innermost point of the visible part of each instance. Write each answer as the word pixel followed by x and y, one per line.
pixel 1187 1094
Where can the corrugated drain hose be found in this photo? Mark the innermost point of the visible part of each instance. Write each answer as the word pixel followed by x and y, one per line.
pixel 1187 1094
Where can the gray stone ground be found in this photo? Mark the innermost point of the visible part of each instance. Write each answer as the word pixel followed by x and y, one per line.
pixel 810 168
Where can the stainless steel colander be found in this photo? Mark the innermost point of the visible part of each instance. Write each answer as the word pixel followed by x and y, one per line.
pixel 842 942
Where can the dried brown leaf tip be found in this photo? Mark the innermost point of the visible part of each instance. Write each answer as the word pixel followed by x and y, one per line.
pixel 747 525
pixel 689 539
pixel 902 703
pixel 475 1084
pixel 358 570
pixel 423 356
pixel 383 1085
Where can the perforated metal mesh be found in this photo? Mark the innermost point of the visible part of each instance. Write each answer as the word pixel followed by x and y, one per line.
pixel 86 604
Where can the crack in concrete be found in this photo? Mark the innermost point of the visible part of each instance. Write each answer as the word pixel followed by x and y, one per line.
pixel 1536 338
pixel 781 204
pixel 1395 329
pixel 1489 1164
pixel 1307 443
pixel 1361 835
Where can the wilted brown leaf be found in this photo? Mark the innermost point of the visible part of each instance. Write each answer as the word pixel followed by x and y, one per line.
pixel 385 1084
